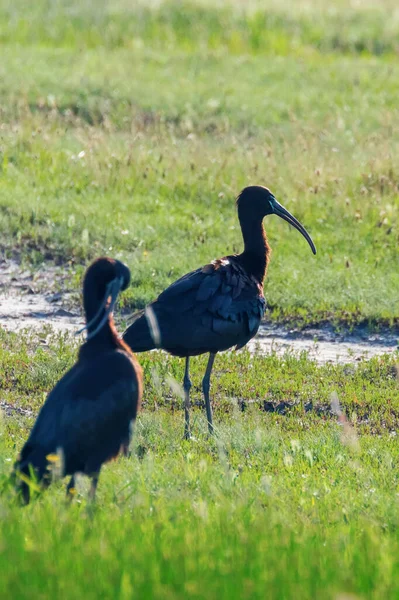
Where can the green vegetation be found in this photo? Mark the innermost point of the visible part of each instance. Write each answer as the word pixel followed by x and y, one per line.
pixel 368 392
pixel 127 129
pixel 290 505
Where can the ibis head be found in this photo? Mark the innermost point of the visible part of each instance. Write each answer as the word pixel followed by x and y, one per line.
pixel 256 202
pixel 101 273
pixel 103 281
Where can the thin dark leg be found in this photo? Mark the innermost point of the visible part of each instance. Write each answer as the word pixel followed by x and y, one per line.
pixel 93 487
pixel 125 449
pixel 70 491
pixel 205 388
pixel 187 387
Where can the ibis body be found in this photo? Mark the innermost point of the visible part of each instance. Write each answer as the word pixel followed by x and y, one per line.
pixel 87 418
pixel 218 306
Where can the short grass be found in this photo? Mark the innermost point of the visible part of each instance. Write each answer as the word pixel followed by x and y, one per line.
pixel 287 505
pixel 129 131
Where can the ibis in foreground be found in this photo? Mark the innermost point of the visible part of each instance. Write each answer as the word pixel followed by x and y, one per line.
pixel 217 306
pixel 87 418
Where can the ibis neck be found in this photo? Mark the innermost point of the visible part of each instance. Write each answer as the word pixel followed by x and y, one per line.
pixel 256 248
pixel 106 336
pixel 105 340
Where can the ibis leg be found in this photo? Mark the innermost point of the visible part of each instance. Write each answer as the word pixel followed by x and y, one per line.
pixel 187 387
pixel 205 388
pixel 125 449
pixel 70 488
pixel 93 487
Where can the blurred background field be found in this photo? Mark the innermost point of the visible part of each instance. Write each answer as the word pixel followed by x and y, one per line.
pixel 127 129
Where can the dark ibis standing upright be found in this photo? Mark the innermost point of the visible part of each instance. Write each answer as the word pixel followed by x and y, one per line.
pixel 217 306
pixel 87 418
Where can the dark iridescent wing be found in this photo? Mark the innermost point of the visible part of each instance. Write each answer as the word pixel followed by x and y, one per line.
pixel 92 432
pixel 221 289
pixel 87 408
pixel 208 310
pixel 181 286
pixel 45 429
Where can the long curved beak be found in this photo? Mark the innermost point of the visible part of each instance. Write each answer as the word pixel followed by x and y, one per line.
pixel 282 212
pixel 112 291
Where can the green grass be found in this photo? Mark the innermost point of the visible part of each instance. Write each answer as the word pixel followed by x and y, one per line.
pixel 286 506
pixel 301 517
pixel 369 390
pixel 232 26
pixel 127 129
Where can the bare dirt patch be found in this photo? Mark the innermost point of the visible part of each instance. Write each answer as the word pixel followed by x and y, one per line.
pixel 34 300
pixel 324 345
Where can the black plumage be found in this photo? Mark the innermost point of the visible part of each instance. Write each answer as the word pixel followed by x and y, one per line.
pixel 209 310
pixel 87 418
pixel 218 306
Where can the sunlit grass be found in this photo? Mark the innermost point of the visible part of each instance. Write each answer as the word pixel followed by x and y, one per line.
pixel 283 502
pixel 139 151
pixel 236 27
pixel 165 185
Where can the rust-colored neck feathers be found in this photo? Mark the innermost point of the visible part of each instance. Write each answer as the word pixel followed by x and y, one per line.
pixel 256 255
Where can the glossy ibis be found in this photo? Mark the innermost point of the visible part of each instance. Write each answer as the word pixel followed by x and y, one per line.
pixel 217 306
pixel 87 418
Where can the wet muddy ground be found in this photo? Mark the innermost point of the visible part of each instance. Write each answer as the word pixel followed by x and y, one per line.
pixel 325 345
pixel 39 300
